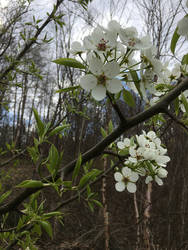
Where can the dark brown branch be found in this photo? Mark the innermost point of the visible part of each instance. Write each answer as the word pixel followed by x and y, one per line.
pixel 160 107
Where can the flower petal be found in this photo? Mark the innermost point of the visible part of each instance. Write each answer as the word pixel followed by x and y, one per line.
pixel 99 92
pixel 126 171
pixel 131 187
pixel 118 176
pixel 162 173
pixel 134 176
pixel 114 26
pixel 120 186
pixel 113 86
pixel 76 47
pixel 132 160
pixel 88 82
pixel 162 159
pixel 127 142
pixel 159 181
pixel 95 66
pixel 151 135
pixel 132 152
pixel 121 145
pixel 148 179
pixel 111 69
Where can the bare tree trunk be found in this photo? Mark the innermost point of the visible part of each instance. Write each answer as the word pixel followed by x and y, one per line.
pixel 105 209
pixel 137 222
pixel 14 116
pixel 146 230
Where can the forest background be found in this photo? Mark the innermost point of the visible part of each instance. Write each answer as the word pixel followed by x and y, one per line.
pixel 152 218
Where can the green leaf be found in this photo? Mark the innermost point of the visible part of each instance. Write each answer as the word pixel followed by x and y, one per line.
pixel 53 160
pixel 22 36
pixel 174 40
pixel 185 102
pixel 124 152
pixel 37 229
pixel 47 227
pixel 128 98
pixel 40 125
pixel 67 89
pixel 31 184
pixel 110 126
pixel 91 206
pixel 84 3
pixel 4 196
pixel 51 214
pixel 58 129
pixel 184 59
pixel 176 105
pixel 77 167
pixel 103 132
pixel 70 62
pixel 98 203
pixel 67 184
pixel 89 176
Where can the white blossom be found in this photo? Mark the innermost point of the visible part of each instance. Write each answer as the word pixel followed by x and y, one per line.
pixel 101 79
pixel 159 174
pixel 123 144
pixel 129 37
pixel 146 156
pixel 100 41
pixel 126 179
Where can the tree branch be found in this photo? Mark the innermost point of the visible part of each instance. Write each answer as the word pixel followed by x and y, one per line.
pixel 95 151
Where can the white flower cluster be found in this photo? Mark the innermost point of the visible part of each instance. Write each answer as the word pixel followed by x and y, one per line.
pixel 109 56
pixel 146 157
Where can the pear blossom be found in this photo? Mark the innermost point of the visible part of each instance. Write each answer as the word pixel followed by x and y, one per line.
pixel 159 174
pixel 101 79
pixel 100 41
pixel 114 26
pixel 147 82
pixel 146 156
pixel 126 179
pixel 129 37
pixel 148 55
pixel 124 143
